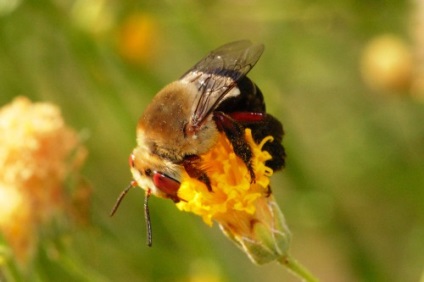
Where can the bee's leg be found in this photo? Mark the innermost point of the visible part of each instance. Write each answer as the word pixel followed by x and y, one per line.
pixel 263 125
pixel 270 126
pixel 191 165
pixel 235 134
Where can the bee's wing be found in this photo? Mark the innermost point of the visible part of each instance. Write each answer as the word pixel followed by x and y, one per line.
pixel 216 75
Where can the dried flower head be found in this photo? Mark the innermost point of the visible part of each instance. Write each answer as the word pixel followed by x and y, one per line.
pixel 38 153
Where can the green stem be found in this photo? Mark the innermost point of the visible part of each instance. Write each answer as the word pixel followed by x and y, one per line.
pixel 298 269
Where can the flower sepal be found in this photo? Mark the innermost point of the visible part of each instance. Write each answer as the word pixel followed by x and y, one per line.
pixel 263 236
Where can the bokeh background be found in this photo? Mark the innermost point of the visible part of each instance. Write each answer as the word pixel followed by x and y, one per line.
pixel 344 77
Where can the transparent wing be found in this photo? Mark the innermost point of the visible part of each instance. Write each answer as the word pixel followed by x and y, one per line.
pixel 216 75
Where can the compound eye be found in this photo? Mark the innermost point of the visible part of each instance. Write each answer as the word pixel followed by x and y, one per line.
pixel 167 185
pixel 131 160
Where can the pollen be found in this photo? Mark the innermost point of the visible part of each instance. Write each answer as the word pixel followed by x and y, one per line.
pixel 244 209
pixel 232 187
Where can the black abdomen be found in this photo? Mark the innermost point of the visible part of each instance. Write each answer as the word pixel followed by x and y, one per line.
pixel 252 100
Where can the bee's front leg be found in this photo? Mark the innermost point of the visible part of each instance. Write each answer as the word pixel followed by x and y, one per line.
pixel 191 165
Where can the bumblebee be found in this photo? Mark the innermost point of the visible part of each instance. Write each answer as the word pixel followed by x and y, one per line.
pixel 185 118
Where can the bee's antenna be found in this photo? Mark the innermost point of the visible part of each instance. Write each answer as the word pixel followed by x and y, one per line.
pixel 147 218
pixel 121 197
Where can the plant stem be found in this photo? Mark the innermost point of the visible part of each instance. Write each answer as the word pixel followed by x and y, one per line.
pixel 298 269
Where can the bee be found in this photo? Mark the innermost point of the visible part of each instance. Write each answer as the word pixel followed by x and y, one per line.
pixel 185 118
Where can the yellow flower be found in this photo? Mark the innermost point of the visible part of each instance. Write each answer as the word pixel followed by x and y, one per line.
pixel 38 153
pixel 137 38
pixel 246 211
pixel 387 64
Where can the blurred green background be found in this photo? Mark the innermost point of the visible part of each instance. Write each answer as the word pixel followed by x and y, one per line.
pixel 353 188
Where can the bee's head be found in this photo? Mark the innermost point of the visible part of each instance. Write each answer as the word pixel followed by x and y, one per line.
pixel 154 174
